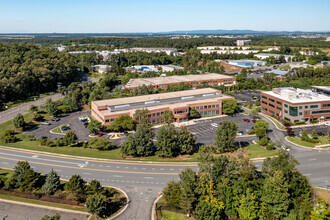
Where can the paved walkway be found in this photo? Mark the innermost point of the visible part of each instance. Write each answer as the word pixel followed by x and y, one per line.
pixel 23 108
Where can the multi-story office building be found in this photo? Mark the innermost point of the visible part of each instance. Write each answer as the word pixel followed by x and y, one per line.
pixel 207 102
pixel 195 80
pixel 296 104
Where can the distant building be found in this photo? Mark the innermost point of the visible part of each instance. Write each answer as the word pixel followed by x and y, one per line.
pixel 308 53
pixel 263 56
pixel 243 42
pixel 168 51
pixel 297 104
pixel 207 102
pixel 222 48
pixel 278 73
pixel 153 68
pixel 270 49
pixel 101 68
pixel 194 80
pixel 246 63
pixel 228 51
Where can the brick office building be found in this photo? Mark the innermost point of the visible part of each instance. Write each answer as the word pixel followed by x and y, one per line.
pixel 207 102
pixel 194 80
pixel 296 104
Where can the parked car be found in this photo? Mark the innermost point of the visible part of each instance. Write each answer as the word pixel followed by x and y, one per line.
pixel 239 133
pixel 255 97
pixel 285 148
pixel 246 120
pixel 65 128
pixel 42 137
pixel 45 123
pixel 327 123
pixel 99 135
pixel 320 134
pixel 85 124
pixel 83 118
pixel 248 129
pixel 254 121
pixel 215 125
pixel 55 119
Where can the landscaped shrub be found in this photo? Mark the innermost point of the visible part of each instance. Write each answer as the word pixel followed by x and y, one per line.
pixel 300 123
pixel 263 141
pixel 50 143
pixel 270 146
pixel 314 121
pixel 8 136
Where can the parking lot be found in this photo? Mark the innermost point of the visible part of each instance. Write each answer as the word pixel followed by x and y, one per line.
pixel 320 129
pixel 246 96
pixel 74 123
pixel 204 130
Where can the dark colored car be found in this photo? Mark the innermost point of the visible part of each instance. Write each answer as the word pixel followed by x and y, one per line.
pixel 85 124
pixel 55 119
pixel 254 121
pixel 43 137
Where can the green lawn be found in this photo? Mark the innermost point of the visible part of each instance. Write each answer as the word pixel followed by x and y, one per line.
pixel 168 212
pixel 255 151
pixel 278 124
pixel 296 140
pixel 58 129
pixel 322 193
pixel 285 67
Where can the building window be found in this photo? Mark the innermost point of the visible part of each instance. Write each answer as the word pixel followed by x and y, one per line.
pixel 202 113
pixel 202 107
pixel 157 120
pixel 271 105
pixel 217 112
pixel 197 108
pixel 205 107
pixel 279 108
pixel 158 114
pixel 306 106
pixel 213 106
pixel 217 106
pixel 112 119
pixel 326 105
pixel 272 100
pixel 205 113
pixel 264 102
pixel 213 112
pixel 285 105
pixel 314 106
pixel 288 119
pixel 149 116
pixel 280 103
pixel 264 97
pixel 300 107
pixel 300 113
pixel 286 111
pixel 320 112
pixel 210 113
pixel 271 112
pixel 107 120
pixel 293 111
pixel 154 115
pixel 209 106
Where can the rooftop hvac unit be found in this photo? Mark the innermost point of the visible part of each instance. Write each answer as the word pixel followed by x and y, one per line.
pixel 210 94
pixel 151 102
pixel 122 106
pixel 187 97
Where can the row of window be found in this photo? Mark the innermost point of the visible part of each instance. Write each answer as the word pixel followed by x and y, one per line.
pixel 98 115
pixel 326 105
pixel 320 112
pixel 209 113
pixel 206 107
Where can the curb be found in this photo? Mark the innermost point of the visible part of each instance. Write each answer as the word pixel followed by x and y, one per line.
pixel 154 207
pixel 298 145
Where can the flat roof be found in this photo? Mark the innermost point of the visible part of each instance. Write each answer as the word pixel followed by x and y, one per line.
pixel 293 95
pixel 136 82
pixel 159 101
pixel 324 88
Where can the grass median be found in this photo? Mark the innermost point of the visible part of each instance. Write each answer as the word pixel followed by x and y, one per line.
pixel 297 140
pixel 58 129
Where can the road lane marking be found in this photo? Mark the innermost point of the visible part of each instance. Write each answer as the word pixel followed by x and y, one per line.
pixel 147 177
pixel 87 173
pixel 312 159
pixel 90 159
pixel 117 176
pixel 84 168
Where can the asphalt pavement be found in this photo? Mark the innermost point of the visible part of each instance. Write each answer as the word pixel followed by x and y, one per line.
pixel 23 108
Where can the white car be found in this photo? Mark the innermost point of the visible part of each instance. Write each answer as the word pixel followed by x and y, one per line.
pixel 45 123
pixel 327 123
pixel 83 118
pixel 215 125
pixel 285 148
pixel 239 133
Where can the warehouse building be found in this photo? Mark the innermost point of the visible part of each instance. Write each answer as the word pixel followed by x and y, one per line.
pixel 247 63
pixel 296 105
pixel 195 80
pixel 207 102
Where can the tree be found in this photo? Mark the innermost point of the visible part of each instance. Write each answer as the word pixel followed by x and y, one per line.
pixel 19 121
pixel 193 113
pixel 52 108
pixel 260 128
pixel 19 171
pixel 249 207
pixel 263 141
pixel 70 138
pixel 100 144
pixel 122 123
pixel 51 184
pixel 31 181
pixel 185 140
pixel 168 117
pixel 33 109
pixel 167 144
pixel 141 143
pixel 76 186
pixel 208 210
pixel 257 103
pixel 8 136
pixel 275 194
pixel 225 136
pixel 141 116
pixel 229 106
pixel 172 193
pixel 314 135
pixel 97 204
pixel 94 187
pixel 94 126
pixel 188 184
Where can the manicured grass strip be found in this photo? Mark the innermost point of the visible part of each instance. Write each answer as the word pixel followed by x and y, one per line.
pixel 278 124
pixel 297 140
pixel 38 202
pixel 58 129
pixel 255 151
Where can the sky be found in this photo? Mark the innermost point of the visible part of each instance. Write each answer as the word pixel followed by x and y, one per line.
pixel 122 16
